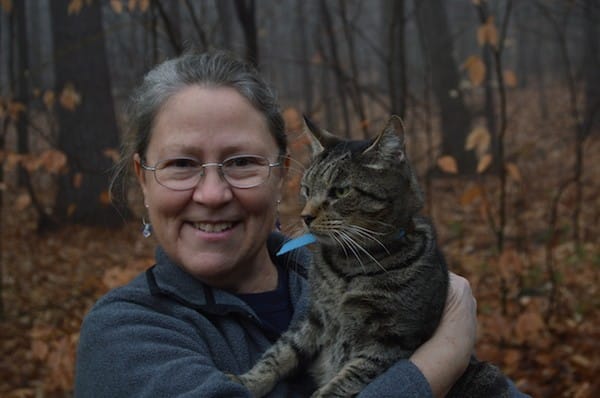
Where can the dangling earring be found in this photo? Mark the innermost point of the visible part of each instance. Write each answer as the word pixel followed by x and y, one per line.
pixel 277 222
pixel 147 228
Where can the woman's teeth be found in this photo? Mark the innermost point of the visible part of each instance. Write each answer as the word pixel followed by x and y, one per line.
pixel 219 227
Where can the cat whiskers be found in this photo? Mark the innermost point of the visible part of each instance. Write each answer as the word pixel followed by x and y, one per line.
pixel 390 227
pixel 368 234
pixel 294 165
pixel 345 241
pixel 333 229
pixel 353 244
pixel 340 242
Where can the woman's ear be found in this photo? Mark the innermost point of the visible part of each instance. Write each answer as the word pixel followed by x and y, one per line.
pixel 283 170
pixel 139 172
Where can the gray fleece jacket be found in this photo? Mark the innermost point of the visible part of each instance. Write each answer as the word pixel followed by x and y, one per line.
pixel 165 334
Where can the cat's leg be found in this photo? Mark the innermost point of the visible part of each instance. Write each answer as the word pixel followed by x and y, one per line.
pixel 275 364
pixel 281 359
pixel 353 377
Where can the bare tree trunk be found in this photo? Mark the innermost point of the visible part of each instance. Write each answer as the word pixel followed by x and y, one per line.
pixel 326 91
pixel 307 85
pixel 225 17
pixel 22 83
pixel 169 14
pixel 3 133
pixel 487 54
pixel 541 83
pixel 246 12
pixel 335 64
pixel 560 28
pixel 592 68
pixel 455 116
pixel 353 85
pixel 87 130
pixel 496 52
pixel 396 68
pixel 525 44
pixel 428 118
pixel 154 32
pixel 197 26
pixel 489 111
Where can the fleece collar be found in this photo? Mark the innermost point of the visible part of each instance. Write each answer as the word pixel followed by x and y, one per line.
pixel 166 278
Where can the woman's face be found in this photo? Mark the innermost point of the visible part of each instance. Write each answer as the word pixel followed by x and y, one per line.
pixel 213 231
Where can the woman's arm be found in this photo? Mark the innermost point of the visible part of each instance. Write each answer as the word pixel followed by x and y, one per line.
pixel 128 350
pixel 444 357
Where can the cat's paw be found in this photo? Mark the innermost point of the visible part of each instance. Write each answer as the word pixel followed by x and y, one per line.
pixel 318 394
pixel 234 378
pixel 244 381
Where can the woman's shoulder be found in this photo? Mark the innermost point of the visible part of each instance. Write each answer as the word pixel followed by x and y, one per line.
pixel 132 309
pixel 133 297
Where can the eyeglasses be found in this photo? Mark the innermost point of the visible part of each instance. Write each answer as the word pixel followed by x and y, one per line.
pixel 181 174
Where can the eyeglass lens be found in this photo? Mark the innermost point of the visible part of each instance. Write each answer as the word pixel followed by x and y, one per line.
pixel 244 171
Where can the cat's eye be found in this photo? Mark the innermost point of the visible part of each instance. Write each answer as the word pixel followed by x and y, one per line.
pixel 339 192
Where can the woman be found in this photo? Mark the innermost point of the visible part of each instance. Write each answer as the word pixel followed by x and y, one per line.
pixel 208 148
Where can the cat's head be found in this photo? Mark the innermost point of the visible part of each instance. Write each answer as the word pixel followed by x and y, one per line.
pixel 359 189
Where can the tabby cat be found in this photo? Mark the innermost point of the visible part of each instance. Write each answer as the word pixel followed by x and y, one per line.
pixel 378 280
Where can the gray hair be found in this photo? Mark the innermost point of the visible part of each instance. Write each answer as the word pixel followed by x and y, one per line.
pixel 212 69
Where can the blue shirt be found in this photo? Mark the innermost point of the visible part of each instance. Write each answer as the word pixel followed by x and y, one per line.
pixel 166 334
pixel 273 308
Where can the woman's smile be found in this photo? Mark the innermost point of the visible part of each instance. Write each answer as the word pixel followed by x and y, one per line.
pixel 213 227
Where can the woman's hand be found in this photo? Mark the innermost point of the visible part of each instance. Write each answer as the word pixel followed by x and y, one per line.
pixel 443 358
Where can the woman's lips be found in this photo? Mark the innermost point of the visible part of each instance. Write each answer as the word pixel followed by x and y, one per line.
pixel 213 227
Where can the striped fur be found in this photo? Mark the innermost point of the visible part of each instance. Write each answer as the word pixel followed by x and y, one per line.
pixel 376 295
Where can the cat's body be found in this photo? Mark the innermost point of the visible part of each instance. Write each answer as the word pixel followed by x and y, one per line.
pixel 355 313
pixel 378 281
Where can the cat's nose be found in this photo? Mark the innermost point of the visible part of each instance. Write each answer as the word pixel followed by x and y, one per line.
pixel 308 218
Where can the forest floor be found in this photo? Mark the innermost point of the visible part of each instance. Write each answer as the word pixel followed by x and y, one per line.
pixel 538 300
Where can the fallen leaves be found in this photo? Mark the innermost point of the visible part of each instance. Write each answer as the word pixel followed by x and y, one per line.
pixel 69 98
pixel 479 139
pixel 7 6
pixel 57 352
pixel 49 283
pixel 50 160
pixel 487 33
pixel 447 164
pixel 476 69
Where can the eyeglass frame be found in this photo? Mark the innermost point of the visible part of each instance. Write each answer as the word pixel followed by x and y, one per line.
pixel 219 166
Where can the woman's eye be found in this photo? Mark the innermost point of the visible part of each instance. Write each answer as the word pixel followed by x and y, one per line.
pixel 180 163
pixel 240 162
pixel 244 161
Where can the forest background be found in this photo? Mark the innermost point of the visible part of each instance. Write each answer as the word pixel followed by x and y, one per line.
pixel 501 100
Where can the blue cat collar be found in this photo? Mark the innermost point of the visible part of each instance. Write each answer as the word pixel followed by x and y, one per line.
pixel 295 243
pixel 309 238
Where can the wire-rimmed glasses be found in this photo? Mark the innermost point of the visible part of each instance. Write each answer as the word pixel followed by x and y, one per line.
pixel 241 171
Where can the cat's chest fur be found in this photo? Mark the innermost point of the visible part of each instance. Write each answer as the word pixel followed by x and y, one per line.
pixel 361 297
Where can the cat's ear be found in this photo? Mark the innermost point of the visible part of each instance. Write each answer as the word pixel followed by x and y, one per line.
pixel 319 139
pixel 390 144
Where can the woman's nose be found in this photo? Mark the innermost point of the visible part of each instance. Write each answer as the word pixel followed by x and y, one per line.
pixel 212 189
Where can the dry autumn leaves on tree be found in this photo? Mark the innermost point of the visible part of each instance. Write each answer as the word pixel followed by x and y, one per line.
pixel 501 105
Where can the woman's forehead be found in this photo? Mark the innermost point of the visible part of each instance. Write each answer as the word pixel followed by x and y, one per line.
pixel 211 119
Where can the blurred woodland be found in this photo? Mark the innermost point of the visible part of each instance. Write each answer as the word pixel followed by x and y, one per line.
pixel 501 100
